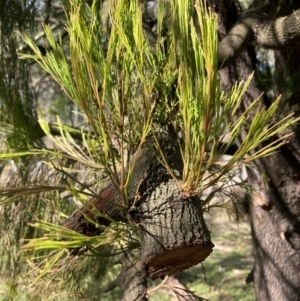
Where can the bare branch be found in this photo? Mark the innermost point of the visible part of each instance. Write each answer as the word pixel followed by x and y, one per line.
pixel 280 33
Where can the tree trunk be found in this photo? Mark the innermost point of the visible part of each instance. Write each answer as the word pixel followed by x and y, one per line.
pixel 275 209
pixel 169 224
pixel 276 228
pixel 173 233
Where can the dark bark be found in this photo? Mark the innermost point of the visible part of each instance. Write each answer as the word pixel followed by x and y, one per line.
pixel 275 211
pixel 169 224
pixel 173 233
pixel 132 278
pixel 276 231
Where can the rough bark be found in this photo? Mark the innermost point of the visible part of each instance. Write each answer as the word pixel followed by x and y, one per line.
pixel 132 279
pixel 266 32
pixel 169 224
pixel 180 291
pixel 276 241
pixel 275 225
pixel 276 229
pixel 275 211
pixel 173 233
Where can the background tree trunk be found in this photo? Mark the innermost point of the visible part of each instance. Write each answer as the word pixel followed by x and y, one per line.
pixel 275 211
pixel 276 227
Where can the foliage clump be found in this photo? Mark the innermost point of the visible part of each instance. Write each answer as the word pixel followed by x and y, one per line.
pixel 127 82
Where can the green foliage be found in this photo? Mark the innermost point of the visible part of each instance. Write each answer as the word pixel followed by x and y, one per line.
pixel 102 84
pixel 204 108
pixel 113 88
pixel 125 89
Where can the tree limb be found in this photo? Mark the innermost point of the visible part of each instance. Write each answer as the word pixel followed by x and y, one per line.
pixel 132 279
pixel 280 33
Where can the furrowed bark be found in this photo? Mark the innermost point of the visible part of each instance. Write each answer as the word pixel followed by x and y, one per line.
pixel 171 227
pixel 275 220
pixel 132 279
pixel 169 224
pixel 173 233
